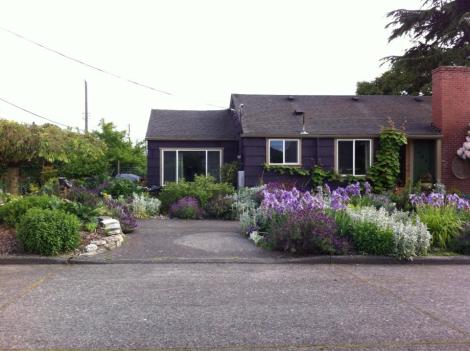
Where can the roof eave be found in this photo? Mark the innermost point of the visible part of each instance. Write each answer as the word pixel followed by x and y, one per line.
pixel 180 138
pixel 312 135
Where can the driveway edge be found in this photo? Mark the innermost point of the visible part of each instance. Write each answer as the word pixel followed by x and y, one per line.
pixel 355 259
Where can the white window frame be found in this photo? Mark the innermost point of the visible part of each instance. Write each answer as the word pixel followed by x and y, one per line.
pixel 371 142
pixel 162 159
pixel 299 148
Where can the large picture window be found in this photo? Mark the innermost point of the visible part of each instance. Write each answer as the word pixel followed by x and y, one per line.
pixel 284 151
pixel 353 156
pixel 185 164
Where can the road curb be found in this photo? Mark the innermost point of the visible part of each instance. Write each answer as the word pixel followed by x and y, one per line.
pixel 356 259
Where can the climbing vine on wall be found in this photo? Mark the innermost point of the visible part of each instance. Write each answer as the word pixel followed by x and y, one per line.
pixel 384 173
pixel 317 174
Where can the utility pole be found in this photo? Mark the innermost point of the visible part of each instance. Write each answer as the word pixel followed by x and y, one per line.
pixel 86 108
pixel 129 131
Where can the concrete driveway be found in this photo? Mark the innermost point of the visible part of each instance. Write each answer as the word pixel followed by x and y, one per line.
pixel 163 239
pixel 235 307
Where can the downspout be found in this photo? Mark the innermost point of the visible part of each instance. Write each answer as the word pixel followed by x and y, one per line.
pixel 239 115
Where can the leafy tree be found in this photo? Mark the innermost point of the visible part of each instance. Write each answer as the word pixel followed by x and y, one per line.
pixel 120 149
pixel 440 31
pixel 86 157
pixel 47 148
pixel 18 144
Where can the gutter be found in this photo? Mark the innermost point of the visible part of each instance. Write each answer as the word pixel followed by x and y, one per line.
pixel 310 135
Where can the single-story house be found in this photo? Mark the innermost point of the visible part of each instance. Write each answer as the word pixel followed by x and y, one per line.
pixel 339 133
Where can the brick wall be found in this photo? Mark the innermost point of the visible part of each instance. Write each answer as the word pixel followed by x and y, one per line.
pixel 451 113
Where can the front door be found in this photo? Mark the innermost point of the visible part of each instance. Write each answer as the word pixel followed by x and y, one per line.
pixel 424 159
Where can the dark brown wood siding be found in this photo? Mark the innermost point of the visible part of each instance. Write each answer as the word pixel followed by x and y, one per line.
pixel 314 151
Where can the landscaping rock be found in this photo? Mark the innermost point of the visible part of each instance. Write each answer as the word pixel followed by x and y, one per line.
pixel 110 225
pixel 114 241
pixel 101 245
pixel 98 242
pixel 91 248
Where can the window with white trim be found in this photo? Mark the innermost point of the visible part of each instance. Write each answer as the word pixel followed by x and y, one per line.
pixel 353 156
pixel 284 151
pixel 178 164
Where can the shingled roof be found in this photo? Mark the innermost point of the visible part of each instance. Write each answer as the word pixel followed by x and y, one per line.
pixel 281 115
pixel 192 125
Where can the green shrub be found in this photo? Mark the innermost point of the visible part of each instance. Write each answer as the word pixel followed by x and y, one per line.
pixel 48 232
pixel 443 223
pixel 203 189
pixel 122 187
pixel 11 212
pixel 51 187
pixel 369 238
pixel 343 222
pixel 220 207
pixel 461 243
pixel 83 212
pixel 229 172
pixel 90 226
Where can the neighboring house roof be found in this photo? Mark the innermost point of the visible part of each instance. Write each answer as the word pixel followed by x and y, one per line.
pixel 192 125
pixel 281 115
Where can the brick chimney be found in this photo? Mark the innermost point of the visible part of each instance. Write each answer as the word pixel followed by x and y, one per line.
pixel 451 113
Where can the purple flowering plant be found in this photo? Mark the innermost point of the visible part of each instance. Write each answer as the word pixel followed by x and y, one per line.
pixel 440 200
pixel 307 230
pixel 186 208
pixel 121 211
pixel 281 201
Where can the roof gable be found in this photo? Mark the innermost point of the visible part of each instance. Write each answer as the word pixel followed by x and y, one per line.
pixel 192 125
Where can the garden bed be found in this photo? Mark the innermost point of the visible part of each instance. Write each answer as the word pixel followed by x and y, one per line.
pixel 8 243
pixel 353 220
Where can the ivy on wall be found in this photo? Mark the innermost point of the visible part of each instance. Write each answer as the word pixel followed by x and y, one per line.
pixel 317 174
pixel 386 168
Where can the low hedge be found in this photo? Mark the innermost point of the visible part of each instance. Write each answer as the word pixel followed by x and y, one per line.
pixel 203 189
pixel 11 212
pixel 48 232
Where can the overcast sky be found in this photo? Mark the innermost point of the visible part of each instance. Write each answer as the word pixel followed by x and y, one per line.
pixel 199 51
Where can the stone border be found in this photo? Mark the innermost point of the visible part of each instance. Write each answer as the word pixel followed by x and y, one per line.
pixel 104 244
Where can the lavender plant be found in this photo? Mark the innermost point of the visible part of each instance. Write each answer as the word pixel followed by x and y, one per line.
pixel 186 208
pixel 308 230
pixel 122 212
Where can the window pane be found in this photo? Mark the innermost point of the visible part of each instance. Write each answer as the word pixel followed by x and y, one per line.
pixel 169 166
pixel 345 157
pixel 362 156
pixel 213 164
pixel 275 151
pixel 291 151
pixel 190 164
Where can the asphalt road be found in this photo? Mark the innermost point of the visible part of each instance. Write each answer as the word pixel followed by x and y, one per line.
pixel 235 307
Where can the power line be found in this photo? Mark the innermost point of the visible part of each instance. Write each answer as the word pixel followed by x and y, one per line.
pixel 33 113
pixel 102 70
pixel 84 63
